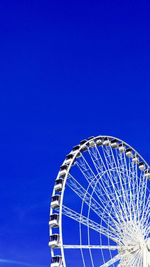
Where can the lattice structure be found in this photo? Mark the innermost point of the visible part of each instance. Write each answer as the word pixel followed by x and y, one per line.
pixel 102 193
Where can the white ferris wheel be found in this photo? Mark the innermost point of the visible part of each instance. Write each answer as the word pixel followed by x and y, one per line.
pixel 100 207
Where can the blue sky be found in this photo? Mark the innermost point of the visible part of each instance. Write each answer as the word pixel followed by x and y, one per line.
pixel 68 70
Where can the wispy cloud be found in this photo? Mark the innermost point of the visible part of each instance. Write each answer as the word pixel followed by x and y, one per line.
pixel 23 264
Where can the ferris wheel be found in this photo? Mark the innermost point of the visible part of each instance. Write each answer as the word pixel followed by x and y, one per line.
pixel 100 207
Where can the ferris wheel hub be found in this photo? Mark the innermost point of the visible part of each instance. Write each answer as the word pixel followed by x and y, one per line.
pixel 131 233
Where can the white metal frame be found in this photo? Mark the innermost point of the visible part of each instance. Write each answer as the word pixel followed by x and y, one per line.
pixel 124 211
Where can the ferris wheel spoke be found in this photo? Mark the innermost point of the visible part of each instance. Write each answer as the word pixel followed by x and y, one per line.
pixel 147 231
pixel 130 189
pixel 112 261
pixel 145 209
pixel 124 173
pixel 143 187
pixel 132 194
pixel 139 259
pixel 113 176
pixel 89 223
pixel 103 171
pixel 88 173
pixel 93 180
pixel 110 162
pixel 133 259
pixel 125 187
pixel 115 181
pixel 97 160
pixel 83 193
pixel 90 176
pixel 145 214
pixel 139 201
pixel 92 247
pixel 100 165
pixel 102 190
pixel 103 213
pixel 122 164
pixel 120 172
pixel 146 218
pixel 133 182
pixel 86 170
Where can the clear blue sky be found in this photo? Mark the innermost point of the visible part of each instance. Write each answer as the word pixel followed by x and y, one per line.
pixel 68 70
